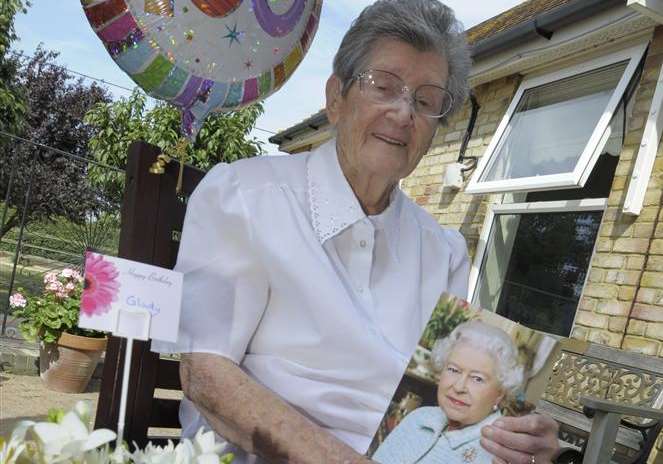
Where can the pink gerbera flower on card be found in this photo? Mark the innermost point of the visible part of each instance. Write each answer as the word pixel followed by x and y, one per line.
pixel 101 285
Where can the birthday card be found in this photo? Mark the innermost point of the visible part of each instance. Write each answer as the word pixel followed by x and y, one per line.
pixel 470 367
pixel 130 299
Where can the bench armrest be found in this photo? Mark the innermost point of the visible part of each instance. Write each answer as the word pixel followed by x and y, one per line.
pixel 606 418
pixel 591 405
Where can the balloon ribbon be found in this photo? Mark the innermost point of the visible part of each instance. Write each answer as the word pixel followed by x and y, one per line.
pixel 178 151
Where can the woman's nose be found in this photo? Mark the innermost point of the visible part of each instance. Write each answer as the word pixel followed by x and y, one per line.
pixel 460 383
pixel 403 108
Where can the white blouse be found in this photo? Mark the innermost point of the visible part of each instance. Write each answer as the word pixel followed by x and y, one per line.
pixel 285 275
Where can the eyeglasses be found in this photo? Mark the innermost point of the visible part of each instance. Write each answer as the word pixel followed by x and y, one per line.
pixel 384 87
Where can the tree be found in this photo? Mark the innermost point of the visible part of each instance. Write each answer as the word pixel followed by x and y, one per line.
pixel 55 106
pixel 12 101
pixel 223 136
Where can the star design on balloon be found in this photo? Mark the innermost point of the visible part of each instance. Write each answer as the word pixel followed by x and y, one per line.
pixel 248 64
pixel 233 35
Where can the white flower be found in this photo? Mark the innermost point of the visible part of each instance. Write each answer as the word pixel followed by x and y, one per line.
pixel 203 450
pixel 83 409
pixel 155 454
pixel 71 438
pixel 12 449
pixel 70 441
pixel 66 272
pixel 55 287
pixel 77 277
pixel 51 276
pixel 17 301
pixel 205 443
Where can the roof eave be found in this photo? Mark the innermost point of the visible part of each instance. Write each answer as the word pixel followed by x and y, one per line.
pixel 543 24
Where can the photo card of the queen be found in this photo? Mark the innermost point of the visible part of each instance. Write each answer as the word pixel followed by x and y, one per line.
pixel 470 367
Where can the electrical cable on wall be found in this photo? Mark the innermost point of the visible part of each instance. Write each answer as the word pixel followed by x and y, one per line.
pixel 468 135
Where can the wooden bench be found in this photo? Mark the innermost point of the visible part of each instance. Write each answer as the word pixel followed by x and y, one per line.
pixel 587 378
pixel 152 217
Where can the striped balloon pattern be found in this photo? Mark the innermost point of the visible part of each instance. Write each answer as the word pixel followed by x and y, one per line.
pixel 217 8
pixel 205 56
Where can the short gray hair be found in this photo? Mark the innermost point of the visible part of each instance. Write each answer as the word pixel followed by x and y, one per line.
pixel 426 25
pixel 489 339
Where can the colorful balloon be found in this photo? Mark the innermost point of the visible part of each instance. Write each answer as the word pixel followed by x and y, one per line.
pixel 274 24
pixel 206 55
pixel 217 8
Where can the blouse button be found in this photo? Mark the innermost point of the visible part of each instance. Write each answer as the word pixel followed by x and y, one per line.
pixel 362 243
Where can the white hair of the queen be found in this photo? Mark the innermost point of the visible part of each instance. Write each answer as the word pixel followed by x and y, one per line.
pixel 489 339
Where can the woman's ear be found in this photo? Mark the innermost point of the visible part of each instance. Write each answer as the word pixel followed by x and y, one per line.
pixel 500 398
pixel 334 97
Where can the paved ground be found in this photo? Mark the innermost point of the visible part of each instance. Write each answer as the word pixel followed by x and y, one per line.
pixel 25 397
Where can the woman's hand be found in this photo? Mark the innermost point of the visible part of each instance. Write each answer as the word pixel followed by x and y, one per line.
pixel 530 439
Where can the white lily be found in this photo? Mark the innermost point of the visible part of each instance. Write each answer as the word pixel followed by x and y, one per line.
pixel 11 450
pixel 155 454
pixel 71 438
pixel 206 443
pixel 71 442
pixel 16 448
pixel 202 450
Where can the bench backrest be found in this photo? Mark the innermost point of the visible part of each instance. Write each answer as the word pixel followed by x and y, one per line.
pixel 152 218
pixel 588 369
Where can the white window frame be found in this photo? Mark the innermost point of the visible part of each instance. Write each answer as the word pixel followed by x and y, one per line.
pixel 494 210
pixel 592 150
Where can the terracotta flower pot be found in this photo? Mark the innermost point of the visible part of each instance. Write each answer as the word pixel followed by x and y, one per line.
pixel 68 365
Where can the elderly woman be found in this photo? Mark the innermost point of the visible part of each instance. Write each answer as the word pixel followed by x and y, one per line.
pixel 479 368
pixel 308 279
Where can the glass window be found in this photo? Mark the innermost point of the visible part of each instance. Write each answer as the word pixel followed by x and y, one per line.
pixel 552 125
pixel 535 266
pixel 557 126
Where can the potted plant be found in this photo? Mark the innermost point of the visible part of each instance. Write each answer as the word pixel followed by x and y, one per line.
pixel 68 355
pixel 448 313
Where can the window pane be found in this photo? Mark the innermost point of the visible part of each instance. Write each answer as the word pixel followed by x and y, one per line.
pixel 535 267
pixel 552 125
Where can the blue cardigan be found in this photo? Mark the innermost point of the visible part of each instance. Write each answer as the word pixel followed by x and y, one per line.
pixel 420 438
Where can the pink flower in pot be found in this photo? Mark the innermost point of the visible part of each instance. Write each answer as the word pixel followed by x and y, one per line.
pixel 17 301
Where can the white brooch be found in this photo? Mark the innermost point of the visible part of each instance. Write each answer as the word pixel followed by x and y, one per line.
pixel 469 455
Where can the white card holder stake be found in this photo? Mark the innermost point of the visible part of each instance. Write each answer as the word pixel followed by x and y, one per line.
pixel 132 323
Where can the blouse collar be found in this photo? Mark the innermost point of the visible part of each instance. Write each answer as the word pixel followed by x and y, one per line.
pixel 460 437
pixel 333 204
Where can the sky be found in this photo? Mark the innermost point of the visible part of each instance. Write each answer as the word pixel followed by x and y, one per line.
pixel 60 25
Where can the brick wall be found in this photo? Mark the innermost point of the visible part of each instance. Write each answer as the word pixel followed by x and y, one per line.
pixel 622 303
